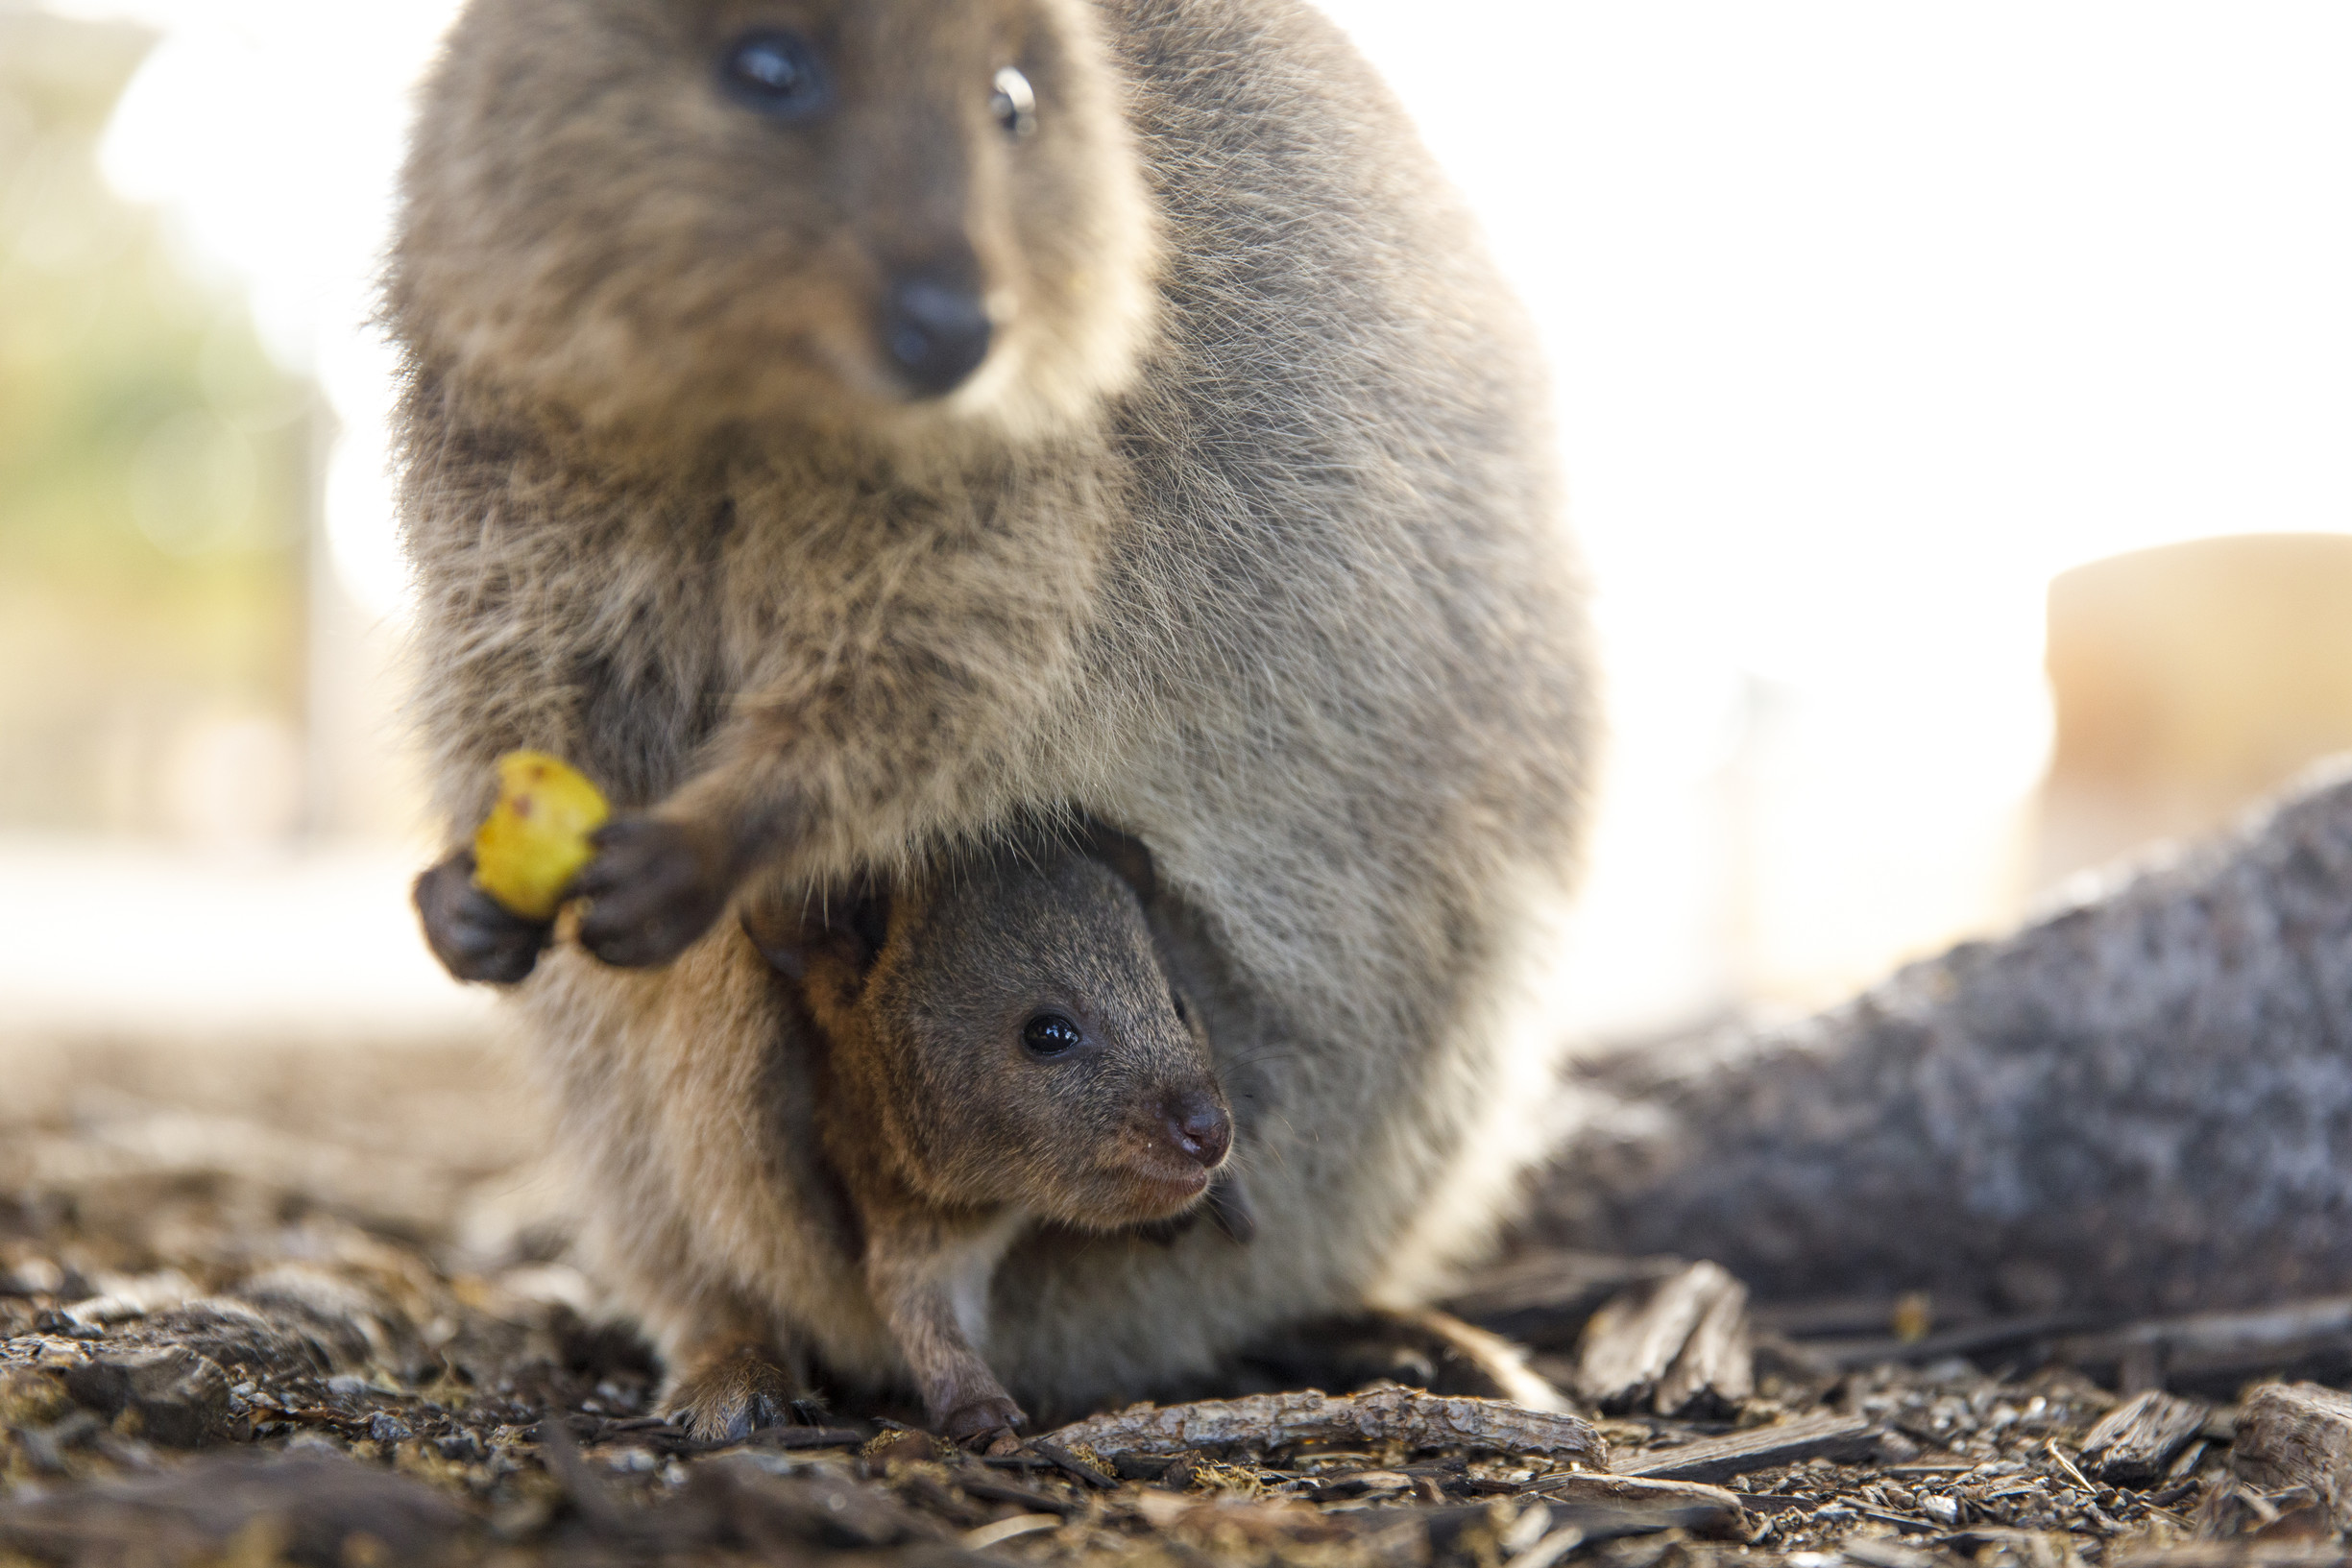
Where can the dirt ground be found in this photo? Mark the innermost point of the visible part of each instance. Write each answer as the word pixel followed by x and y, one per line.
pixel 307 1306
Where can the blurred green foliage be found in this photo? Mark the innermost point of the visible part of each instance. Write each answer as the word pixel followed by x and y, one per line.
pixel 154 466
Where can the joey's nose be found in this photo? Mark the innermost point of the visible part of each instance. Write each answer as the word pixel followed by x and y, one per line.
pixel 935 331
pixel 1198 1126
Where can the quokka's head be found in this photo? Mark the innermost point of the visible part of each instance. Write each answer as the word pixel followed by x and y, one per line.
pixel 1010 1037
pixel 879 216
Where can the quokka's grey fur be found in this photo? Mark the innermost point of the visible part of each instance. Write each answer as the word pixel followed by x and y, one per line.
pixel 1243 540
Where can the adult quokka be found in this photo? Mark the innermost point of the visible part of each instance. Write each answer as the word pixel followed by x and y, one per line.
pixel 845 426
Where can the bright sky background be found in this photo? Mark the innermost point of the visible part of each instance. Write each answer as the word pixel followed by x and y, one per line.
pixel 1869 315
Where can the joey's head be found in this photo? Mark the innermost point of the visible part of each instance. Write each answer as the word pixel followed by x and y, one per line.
pixel 1010 1032
pixel 886 217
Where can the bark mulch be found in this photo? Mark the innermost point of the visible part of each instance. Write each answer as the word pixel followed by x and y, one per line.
pixel 207 1365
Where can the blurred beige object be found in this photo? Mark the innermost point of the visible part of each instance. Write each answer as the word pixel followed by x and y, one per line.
pixel 2190 680
pixel 234 780
pixel 127 940
pixel 157 480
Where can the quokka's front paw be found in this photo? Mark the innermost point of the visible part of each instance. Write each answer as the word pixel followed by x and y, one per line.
pixel 475 936
pixel 985 1425
pixel 654 886
pixel 729 1398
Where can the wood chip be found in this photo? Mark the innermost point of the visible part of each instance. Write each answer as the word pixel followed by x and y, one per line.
pixel 1720 1515
pixel 2135 1443
pixel 1061 1455
pixel 1717 1364
pixel 668 1438
pixel 1005 1529
pixel 983 1486
pixel 1376 1415
pixel 1550 1550
pixel 1720 1459
pixel 1669 1344
pixel 1873 1552
pixel 2298 1434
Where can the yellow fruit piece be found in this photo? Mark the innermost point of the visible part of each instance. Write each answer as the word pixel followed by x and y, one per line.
pixel 535 840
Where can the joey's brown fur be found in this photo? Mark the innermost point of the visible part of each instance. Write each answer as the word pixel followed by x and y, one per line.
pixel 1240 537
pixel 998 1044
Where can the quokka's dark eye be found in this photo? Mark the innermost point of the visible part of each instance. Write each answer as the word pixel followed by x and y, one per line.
pixel 1050 1035
pixel 1014 104
pixel 777 72
pixel 1177 1003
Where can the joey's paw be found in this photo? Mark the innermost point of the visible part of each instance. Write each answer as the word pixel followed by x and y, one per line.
pixel 653 888
pixel 727 1400
pixel 475 936
pixel 983 1424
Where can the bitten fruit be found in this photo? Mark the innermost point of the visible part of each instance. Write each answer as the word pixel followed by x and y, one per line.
pixel 535 838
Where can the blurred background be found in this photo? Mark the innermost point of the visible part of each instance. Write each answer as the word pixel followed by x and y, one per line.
pixel 1955 402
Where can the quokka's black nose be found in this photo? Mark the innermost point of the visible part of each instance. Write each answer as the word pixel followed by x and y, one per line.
pixel 934 333
pixel 1199 1128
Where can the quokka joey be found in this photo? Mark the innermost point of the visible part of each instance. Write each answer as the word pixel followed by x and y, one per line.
pixel 844 429
pixel 997 1045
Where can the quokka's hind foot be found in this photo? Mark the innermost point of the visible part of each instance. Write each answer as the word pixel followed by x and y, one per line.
pixel 985 1425
pixel 728 1396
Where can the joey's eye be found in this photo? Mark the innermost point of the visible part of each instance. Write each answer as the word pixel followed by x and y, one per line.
pixel 1177 1003
pixel 1014 104
pixel 1050 1035
pixel 778 73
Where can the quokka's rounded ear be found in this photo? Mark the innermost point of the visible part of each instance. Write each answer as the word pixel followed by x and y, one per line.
pixel 845 930
pixel 1124 854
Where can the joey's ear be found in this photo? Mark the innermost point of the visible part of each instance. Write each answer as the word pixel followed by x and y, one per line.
pixel 847 932
pixel 1123 854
